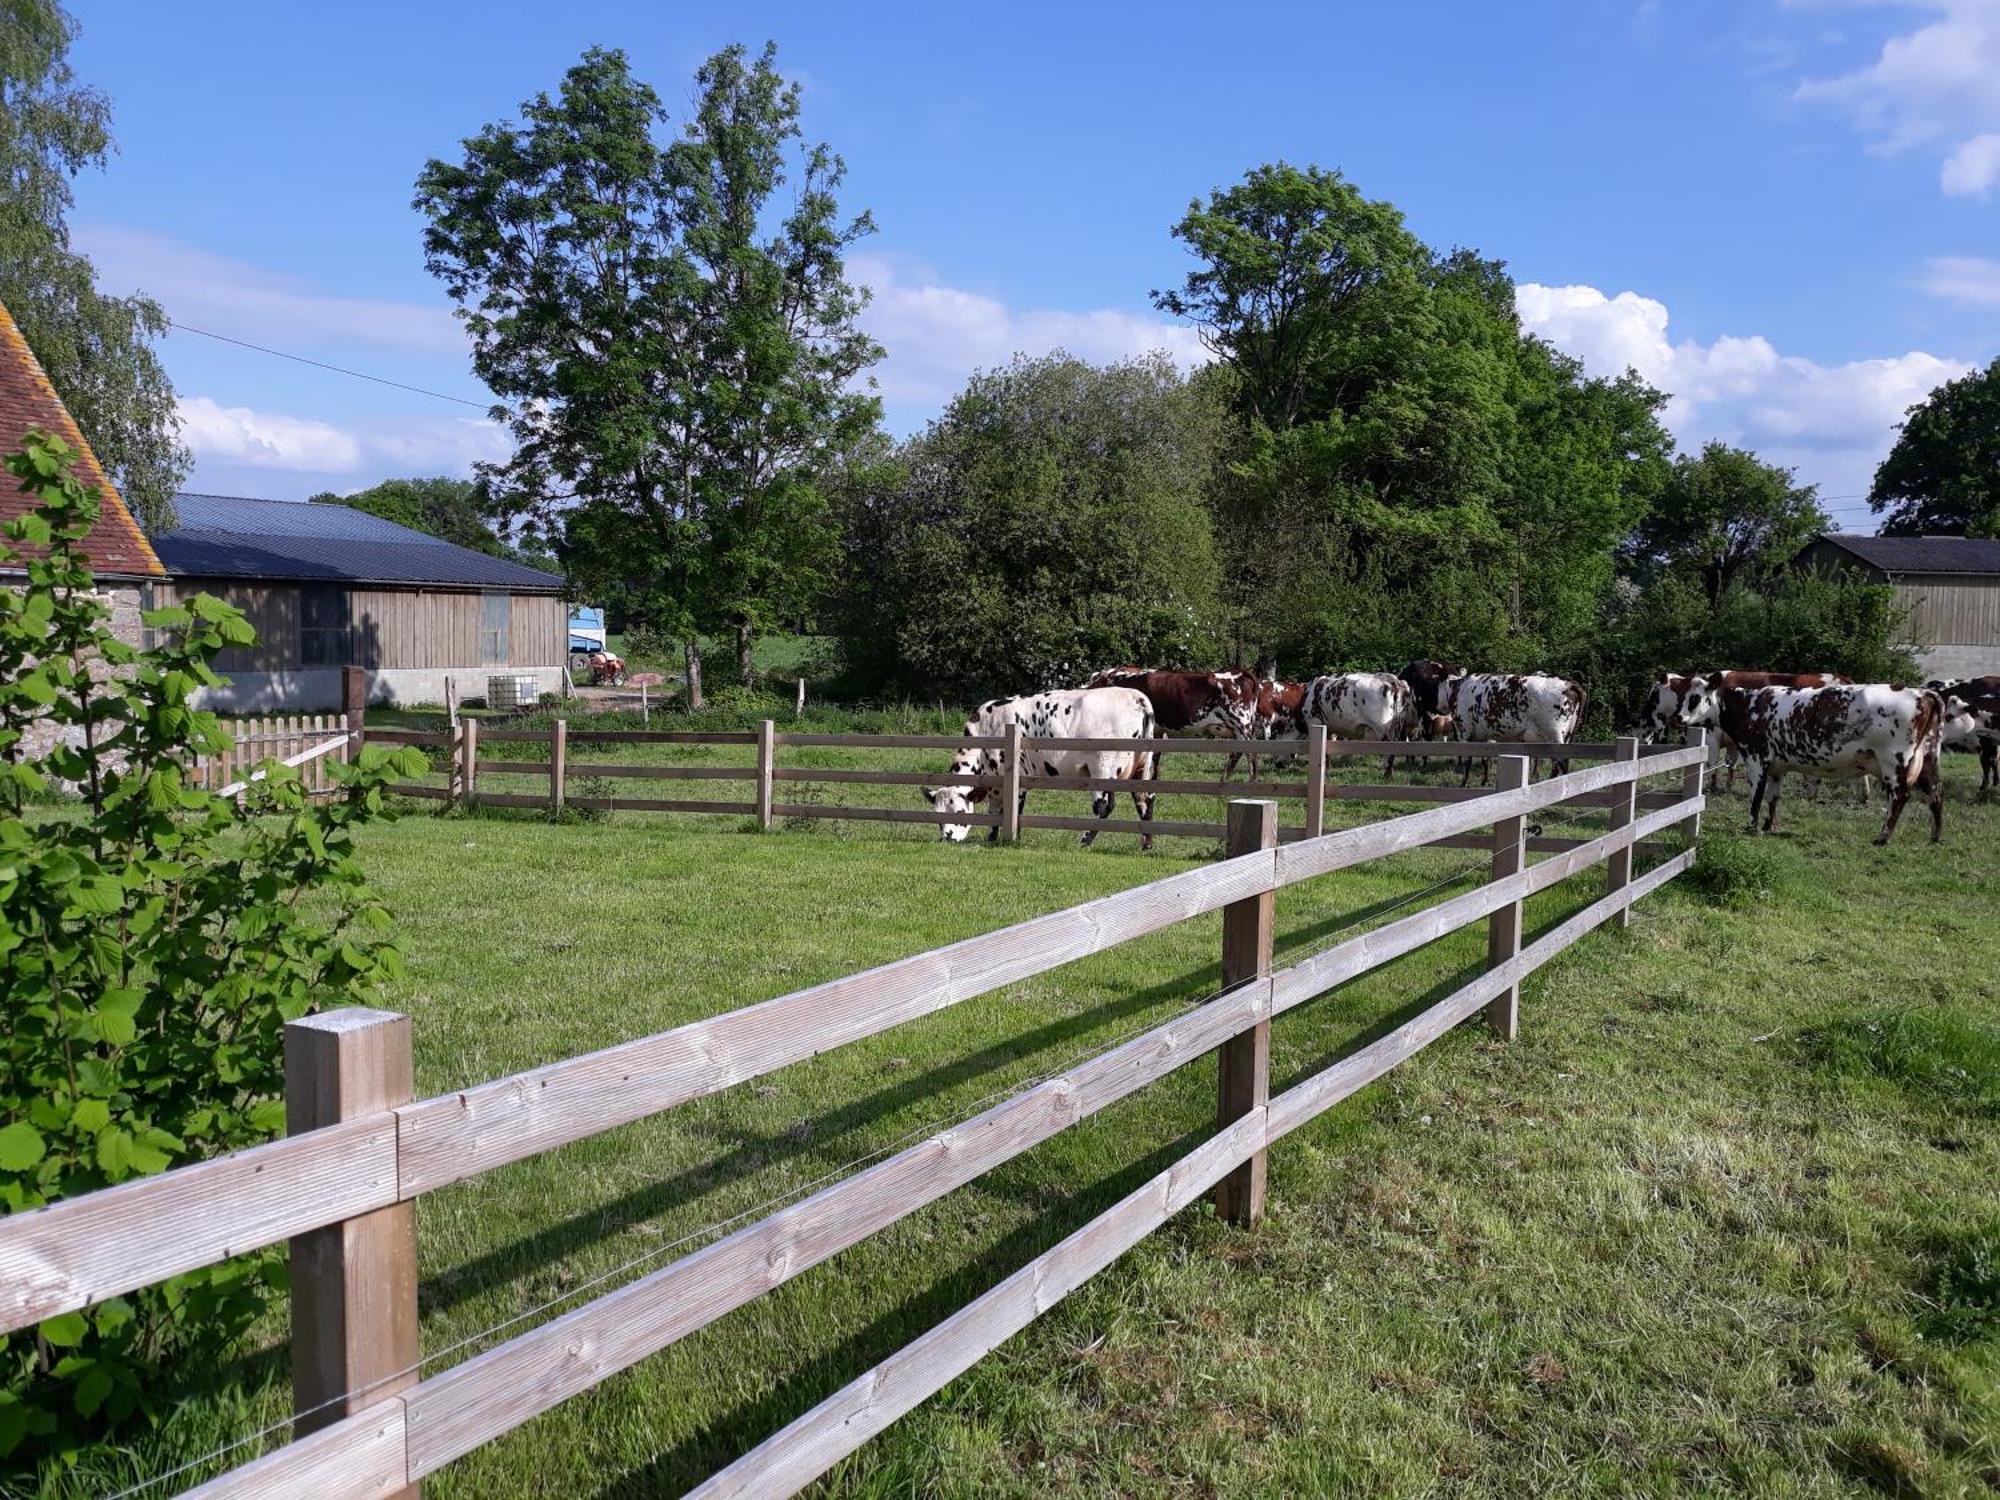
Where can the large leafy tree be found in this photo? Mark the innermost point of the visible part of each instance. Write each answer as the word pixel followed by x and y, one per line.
pixel 678 351
pixel 1943 475
pixel 97 350
pixel 1049 524
pixel 1725 516
pixel 453 509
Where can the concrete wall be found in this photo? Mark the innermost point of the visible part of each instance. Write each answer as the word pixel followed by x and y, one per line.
pixel 317 689
pixel 1959 660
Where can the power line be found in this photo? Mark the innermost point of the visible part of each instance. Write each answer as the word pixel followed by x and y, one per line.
pixel 323 365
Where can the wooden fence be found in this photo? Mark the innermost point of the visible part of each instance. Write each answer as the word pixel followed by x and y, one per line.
pixel 305 741
pixel 470 742
pixel 342 1185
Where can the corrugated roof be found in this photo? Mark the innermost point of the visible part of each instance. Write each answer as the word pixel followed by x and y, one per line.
pixel 231 536
pixel 115 546
pixel 1922 554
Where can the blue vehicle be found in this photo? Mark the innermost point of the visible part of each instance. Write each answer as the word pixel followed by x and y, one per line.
pixel 586 629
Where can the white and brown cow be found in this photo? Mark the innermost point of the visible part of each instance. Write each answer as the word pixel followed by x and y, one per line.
pixel 1513 707
pixel 1364 706
pixel 1979 727
pixel 1110 713
pixel 1839 732
pixel 1678 701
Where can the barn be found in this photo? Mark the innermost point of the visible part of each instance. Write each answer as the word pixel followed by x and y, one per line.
pixel 329 587
pixel 1948 588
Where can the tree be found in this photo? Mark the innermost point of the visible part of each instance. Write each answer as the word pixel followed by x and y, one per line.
pixel 681 364
pixel 97 350
pixel 1725 516
pixel 452 509
pixel 1049 524
pixel 1943 475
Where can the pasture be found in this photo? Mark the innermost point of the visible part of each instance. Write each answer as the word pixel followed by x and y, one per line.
pixel 1726 1216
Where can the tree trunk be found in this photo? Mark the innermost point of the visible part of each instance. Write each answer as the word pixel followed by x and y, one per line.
pixel 694 697
pixel 744 640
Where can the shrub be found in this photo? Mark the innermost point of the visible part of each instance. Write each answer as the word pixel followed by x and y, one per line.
pixel 154 941
pixel 1734 871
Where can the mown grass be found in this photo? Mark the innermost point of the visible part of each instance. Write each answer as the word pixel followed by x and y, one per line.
pixel 1721 1220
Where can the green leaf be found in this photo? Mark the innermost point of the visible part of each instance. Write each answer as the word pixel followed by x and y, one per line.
pixel 92 1389
pixel 65 1330
pixel 20 1147
pixel 91 1115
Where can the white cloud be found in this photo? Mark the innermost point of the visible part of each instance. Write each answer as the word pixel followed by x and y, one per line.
pixel 1938 85
pixel 240 437
pixel 232 297
pixel 1833 422
pixel 937 335
pixel 1964 279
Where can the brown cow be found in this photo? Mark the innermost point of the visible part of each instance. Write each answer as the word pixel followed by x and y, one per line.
pixel 1675 703
pixel 1981 726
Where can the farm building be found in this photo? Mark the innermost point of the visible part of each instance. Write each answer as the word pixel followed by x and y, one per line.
pixel 328 587
pixel 1947 586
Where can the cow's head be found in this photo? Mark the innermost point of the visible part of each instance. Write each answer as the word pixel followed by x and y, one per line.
pixel 1665 702
pixel 959 799
pixel 1962 724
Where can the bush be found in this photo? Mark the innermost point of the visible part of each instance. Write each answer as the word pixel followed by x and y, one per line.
pixel 153 944
pixel 1733 871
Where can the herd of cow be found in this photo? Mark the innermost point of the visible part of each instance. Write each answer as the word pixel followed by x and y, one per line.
pixel 1818 724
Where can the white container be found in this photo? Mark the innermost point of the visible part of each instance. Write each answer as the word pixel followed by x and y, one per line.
pixel 511 692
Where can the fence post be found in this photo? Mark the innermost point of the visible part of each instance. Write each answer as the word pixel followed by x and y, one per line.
pixel 1010 787
pixel 1243 1074
pixel 354 1284
pixel 767 754
pixel 1503 928
pixel 1624 808
pixel 1691 778
pixel 468 750
pixel 1315 781
pixel 559 764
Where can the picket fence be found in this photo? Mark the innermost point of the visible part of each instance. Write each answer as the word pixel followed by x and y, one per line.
pixel 305 742
pixel 342 1186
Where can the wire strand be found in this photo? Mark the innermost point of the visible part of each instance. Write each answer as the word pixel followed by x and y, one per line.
pixel 321 364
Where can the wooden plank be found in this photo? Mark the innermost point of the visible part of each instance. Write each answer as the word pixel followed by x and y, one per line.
pixel 1243 1064
pixel 558 763
pixel 660 773
pixel 767 750
pixel 411 789
pixel 1165 788
pixel 1315 781
pixel 806 1448
pixel 1013 771
pixel 1163 827
pixel 409 736
pixel 362 1457
pixel 353 1283
pixel 884 814
pixel 657 737
pixel 661 804
pixel 460 1135
pixel 1691 784
pixel 884 778
pixel 898 741
pixel 82 1250
pixel 1624 807
pixel 1503 924
pixel 494 1392
pixel 496 729
pixel 514 767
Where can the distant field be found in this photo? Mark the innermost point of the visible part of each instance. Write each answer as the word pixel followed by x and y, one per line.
pixel 1725 1219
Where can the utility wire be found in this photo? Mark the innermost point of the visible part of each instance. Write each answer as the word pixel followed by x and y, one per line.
pixel 321 364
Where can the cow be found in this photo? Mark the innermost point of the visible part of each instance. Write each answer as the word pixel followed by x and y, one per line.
pixel 1519 707
pixel 1840 731
pixel 1365 706
pixel 1201 705
pixel 1111 713
pixel 1427 680
pixel 1279 711
pixel 1979 728
pixel 1668 703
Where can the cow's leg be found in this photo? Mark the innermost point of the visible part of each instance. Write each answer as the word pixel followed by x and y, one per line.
pixel 1989 765
pixel 1933 788
pixel 1756 793
pixel 1143 802
pixel 1899 793
pixel 1862 798
pixel 1773 780
pixel 1101 804
pixel 1465 772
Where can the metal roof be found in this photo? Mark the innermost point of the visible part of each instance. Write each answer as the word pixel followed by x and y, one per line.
pixel 1922 554
pixel 230 536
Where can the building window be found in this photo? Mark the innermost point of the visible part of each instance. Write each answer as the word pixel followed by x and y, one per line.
pixel 495 625
pixel 323 632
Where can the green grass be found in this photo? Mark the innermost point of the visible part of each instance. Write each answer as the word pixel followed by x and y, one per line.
pixel 1722 1220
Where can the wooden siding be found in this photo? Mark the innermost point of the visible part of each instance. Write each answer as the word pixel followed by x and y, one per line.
pixel 392 628
pixel 1961 610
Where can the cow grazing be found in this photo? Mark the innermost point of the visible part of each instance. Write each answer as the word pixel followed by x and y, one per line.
pixel 1979 727
pixel 1112 713
pixel 1841 731
pixel 1212 705
pixel 1516 707
pixel 1365 706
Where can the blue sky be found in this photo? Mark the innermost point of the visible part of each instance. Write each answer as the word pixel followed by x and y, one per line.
pixel 1787 214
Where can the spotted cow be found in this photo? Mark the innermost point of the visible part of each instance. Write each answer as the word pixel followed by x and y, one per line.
pixel 1516 707
pixel 1279 712
pixel 1427 680
pixel 1979 728
pixel 1111 713
pixel 1365 706
pixel 1839 732
pixel 1675 703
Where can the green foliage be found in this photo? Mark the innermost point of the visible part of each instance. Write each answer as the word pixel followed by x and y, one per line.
pixel 681 358
pixel 1943 475
pixel 454 509
pixel 154 940
pixel 1965 1282
pixel 1734 871
pixel 96 350
pixel 1049 524
pixel 1725 517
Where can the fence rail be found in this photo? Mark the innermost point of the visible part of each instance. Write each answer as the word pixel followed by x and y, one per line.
pixel 305 741
pixel 1015 757
pixel 363 1165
